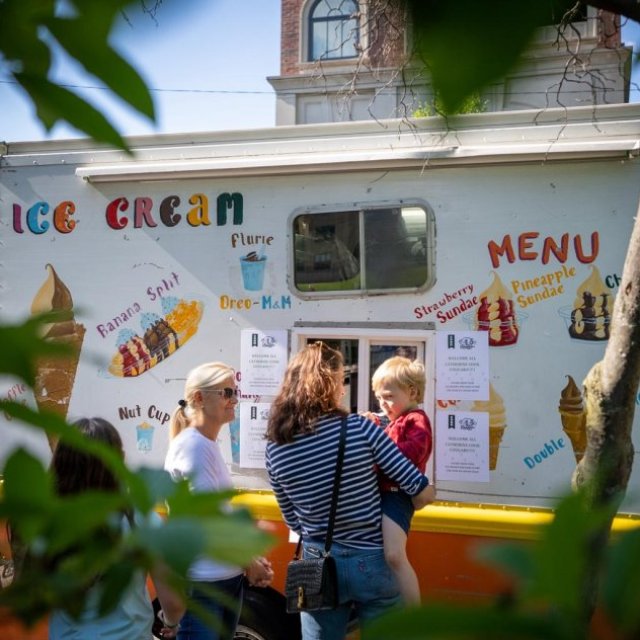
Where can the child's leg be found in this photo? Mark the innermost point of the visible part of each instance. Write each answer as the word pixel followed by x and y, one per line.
pixel 395 553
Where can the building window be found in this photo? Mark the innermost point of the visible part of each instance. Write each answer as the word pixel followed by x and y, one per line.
pixel 378 249
pixel 334 29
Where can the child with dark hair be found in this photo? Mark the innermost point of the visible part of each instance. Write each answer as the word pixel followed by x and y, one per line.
pixel 75 472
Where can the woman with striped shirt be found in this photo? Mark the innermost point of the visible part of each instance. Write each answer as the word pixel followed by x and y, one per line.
pixel 303 434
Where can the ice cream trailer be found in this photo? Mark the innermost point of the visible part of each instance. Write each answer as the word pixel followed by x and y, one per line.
pixel 489 246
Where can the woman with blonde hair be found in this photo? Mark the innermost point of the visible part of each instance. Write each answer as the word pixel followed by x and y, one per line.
pixel 210 399
pixel 303 433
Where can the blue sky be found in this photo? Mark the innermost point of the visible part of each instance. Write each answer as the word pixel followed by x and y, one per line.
pixel 206 62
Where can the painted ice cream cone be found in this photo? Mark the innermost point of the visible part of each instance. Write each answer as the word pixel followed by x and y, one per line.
pixel 574 418
pixel 495 438
pixel 591 314
pixel 497 422
pixel 496 314
pixel 55 375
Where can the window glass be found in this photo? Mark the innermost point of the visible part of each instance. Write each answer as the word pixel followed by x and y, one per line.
pixel 349 351
pixel 377 249
pixel 333 29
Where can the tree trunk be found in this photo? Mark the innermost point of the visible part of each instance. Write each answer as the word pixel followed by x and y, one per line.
pixel 610 390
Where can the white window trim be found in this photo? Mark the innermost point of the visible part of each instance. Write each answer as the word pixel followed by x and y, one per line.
pixel 303 51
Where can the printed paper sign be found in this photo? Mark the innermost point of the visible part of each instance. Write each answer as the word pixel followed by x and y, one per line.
pixel 462 365
pixel 253 426
pixel 263 361
pixel 462 446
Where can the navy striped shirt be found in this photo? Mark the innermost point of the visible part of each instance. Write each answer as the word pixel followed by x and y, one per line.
pixel 302 473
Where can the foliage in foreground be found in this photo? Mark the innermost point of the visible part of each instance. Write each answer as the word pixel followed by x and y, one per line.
pixel 551 578
pixel 473 103
pixel 28 30
pixel 75 538
pixel 468 44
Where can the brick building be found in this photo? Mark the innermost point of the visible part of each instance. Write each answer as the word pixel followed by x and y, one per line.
pixel 350 60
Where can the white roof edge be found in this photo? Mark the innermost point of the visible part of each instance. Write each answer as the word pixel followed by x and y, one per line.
pixel 341 160
pixel 486 137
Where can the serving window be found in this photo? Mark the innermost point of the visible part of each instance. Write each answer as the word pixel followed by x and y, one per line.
pixel 378 249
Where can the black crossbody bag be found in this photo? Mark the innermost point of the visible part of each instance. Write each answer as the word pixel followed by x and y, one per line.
pixel 312 583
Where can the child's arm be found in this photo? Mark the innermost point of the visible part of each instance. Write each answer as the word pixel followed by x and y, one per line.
pixel 425 497
pixel 417 440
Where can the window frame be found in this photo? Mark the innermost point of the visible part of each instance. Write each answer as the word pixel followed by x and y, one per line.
pixel 359 208
pixel 308 31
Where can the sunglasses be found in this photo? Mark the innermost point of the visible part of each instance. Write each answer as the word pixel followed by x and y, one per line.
pixel 227 393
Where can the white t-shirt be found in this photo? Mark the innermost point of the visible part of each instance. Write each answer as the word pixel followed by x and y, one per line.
pixel 196 458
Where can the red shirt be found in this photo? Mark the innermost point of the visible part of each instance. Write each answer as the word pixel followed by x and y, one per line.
pixel 412 434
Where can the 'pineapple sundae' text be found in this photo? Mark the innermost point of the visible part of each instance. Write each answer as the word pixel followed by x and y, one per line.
pixel 548 285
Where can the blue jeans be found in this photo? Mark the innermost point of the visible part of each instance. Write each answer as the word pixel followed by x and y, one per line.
pixel 221 600
pixel 365 583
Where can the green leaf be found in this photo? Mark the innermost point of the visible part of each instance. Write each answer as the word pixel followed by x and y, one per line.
pixel 26 481
pixel 158 486
pixel 55 103
pixel 185 503
pixel 234 538
pixel 53 424
pixel 515 559
pixel 98 17
pixel 177 542
pixel 23 344
pixel 21 44
pixel 463 622
pixel 87 511
pixel 99 59
pixel 621 583
pixel 113 583
pixel 566 549
pixel 467 44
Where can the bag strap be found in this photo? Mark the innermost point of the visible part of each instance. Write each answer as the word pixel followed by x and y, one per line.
pixel 334 497
pixel 336 485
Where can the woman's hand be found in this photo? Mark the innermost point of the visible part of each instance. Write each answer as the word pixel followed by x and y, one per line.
pixel 425 497
pixel 259 573
pixel 168 630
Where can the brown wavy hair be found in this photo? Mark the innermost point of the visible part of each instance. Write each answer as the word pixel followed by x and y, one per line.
pixel 309 390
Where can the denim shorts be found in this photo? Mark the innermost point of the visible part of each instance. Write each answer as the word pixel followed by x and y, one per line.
pixel 397 506
pixel 365 584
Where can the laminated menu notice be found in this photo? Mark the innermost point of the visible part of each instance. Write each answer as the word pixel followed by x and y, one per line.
pixel 462 365
pixel 462 446
pixel 253 426
pixel 263 361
